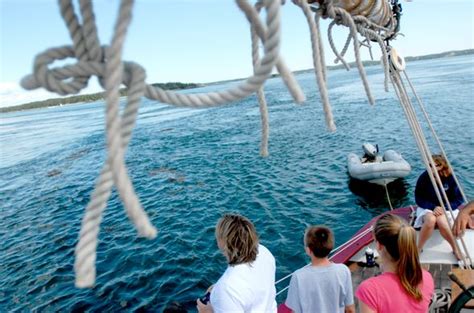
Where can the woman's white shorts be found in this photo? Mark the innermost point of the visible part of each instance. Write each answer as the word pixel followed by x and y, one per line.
pixel 420 213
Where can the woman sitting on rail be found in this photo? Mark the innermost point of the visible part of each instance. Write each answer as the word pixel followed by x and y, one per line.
pixel 403 286
pixel 429 212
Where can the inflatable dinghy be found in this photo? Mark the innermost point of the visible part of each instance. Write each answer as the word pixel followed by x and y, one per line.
pixel 376 169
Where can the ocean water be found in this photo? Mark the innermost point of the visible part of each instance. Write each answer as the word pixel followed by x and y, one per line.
pixel 191 166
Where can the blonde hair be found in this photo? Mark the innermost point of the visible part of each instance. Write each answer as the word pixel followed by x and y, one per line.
pixel 440 161
pixel 238 239
pixel 399 240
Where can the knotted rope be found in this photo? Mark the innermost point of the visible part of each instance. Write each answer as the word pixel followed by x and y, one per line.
pixel 105 62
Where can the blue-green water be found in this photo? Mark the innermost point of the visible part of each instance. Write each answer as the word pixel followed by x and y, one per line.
pixel 190 166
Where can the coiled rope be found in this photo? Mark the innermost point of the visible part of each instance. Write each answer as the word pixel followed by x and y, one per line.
pixel 441 300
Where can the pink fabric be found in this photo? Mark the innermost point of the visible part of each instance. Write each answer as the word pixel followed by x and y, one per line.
pixel 385 294
pixel 282 308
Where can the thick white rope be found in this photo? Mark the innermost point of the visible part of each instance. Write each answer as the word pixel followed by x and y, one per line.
pixel 116 153
pixel 44 78
pixel 347 20
pixel 91 38
pixel 372 35
pixel 388 197
pixel 286 74
pixel 251 85
pixel 85 250
pixel 322 59
pixel 260 94
pixel 88 52
pixel 339 56
pixel 440 300
pixel 317 63
pixel 106 63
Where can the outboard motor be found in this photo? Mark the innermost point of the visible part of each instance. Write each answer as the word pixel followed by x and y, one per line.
pixel 370 150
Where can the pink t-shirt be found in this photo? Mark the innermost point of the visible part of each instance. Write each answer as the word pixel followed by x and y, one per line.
pixel 385 294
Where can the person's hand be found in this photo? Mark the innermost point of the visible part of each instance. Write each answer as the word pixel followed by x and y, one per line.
pixel 438 211
pixel 461 222
pixel 203 308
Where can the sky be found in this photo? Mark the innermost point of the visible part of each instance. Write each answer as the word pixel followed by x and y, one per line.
pixel 204 40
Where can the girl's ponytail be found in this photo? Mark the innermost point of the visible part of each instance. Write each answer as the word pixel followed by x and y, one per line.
pixel 399 241
pixel 408 267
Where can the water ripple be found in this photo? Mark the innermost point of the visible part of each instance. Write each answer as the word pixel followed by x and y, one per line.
pixel 189 167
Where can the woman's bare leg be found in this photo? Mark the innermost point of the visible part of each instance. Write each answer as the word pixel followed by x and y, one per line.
pixel 446 233
pixel 429 222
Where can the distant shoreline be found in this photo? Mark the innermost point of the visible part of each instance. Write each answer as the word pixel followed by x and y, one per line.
pixel 177 85
pixel 447 54
pixel 53 102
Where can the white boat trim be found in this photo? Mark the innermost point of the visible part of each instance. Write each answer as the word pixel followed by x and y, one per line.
pixel 435 251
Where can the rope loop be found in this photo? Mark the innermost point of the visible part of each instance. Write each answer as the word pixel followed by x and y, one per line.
pixel 105 62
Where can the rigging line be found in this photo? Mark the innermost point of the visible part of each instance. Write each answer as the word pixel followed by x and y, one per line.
pixel 322 59
pixel 388 197
pixel 426 154
pixel 288 276
pixel 417 131
pixel 429 153
pixel 283 290
pixel 420 103
pixel 346 245
pixel 437 178
pixel 338 249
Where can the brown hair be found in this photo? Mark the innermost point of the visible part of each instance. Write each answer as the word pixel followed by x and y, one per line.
pixel 399 240
pixel 442 165
pixel 320 240
pixel 237 238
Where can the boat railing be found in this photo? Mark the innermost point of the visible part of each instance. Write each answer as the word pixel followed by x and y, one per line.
pixel 334 253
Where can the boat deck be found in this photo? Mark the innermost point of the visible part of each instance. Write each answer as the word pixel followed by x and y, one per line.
pixel 360 272
pixel 436 257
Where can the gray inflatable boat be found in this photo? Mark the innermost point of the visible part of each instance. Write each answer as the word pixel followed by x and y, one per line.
pixel 376 169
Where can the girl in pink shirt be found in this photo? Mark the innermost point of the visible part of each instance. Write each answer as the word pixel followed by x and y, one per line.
pixel 403 286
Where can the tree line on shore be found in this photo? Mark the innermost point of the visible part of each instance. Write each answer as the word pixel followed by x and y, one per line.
pixel 177 85
pixel 89 97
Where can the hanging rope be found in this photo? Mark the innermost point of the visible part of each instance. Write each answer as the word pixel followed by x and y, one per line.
pixel 318 63
pixel 374 22
pixel 388 197
pixel 106 63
